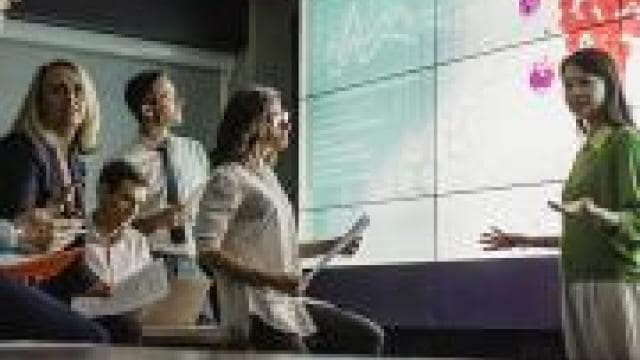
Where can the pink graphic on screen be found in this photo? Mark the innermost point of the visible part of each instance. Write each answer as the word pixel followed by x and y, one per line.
pixel 591 23
pixel 528 7
pixel 541 75
pixel 603 24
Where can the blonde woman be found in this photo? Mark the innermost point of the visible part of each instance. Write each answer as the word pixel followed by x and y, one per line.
pixel 59 120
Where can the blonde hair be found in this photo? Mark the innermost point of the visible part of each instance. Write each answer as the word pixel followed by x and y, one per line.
pixel 28 119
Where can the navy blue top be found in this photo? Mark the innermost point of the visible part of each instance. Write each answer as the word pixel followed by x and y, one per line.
pixel 32 178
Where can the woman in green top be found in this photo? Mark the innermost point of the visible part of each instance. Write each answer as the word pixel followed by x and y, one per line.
pixel 600 240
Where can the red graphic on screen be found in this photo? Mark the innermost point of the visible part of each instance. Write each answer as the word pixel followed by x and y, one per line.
pixel 541 75
pixel 592 23
pixel 528 7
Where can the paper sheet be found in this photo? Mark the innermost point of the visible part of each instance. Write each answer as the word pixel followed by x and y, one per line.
pixel 145 287
pixel 356 230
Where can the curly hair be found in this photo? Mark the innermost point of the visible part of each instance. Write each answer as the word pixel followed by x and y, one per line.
pixel 238 131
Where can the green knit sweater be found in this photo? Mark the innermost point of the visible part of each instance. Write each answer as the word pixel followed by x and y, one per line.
pixel 606 169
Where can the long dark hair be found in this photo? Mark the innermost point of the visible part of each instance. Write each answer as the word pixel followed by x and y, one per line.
pixel 597 62
pixel 239 130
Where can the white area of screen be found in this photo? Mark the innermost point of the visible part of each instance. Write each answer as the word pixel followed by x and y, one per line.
pixel 503 151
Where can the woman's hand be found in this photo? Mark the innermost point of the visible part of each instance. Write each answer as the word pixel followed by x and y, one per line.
pixel 99 289
pixel 352 246
pixel 286 283
pixel 576 207
pixel 587 207
pixel 167 218
pixel 39 228
pixel 497 239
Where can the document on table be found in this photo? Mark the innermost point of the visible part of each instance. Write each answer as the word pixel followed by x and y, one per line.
pixel 146 286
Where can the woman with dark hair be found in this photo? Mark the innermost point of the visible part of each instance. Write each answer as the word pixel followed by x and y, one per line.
pixel 601 216
pixel 237 136
pixel 247 233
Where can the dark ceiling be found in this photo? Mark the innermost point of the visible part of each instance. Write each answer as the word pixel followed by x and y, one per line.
pixel 207 24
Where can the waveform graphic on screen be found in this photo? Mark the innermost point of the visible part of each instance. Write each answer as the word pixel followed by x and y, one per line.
pixel 367 39
pixel 359 40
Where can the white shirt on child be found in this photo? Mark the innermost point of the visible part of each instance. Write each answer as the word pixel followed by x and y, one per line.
pixel 125 257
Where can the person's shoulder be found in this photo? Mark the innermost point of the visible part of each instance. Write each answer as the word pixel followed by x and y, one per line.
pixel 625 134
pixel 134 153
pixel 187 142
pixel 225 185
pixel 227 170
pixel 13 137
pixel 191 150
pixel 184 140
pixel 16 141
pixel 625 130
pixel 129 149
pixel 228 175
pixel 18 148
pixel 132 231
pixel 624 140
pixel 134 237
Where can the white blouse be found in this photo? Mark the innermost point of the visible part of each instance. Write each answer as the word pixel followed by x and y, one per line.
pixel 248 215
